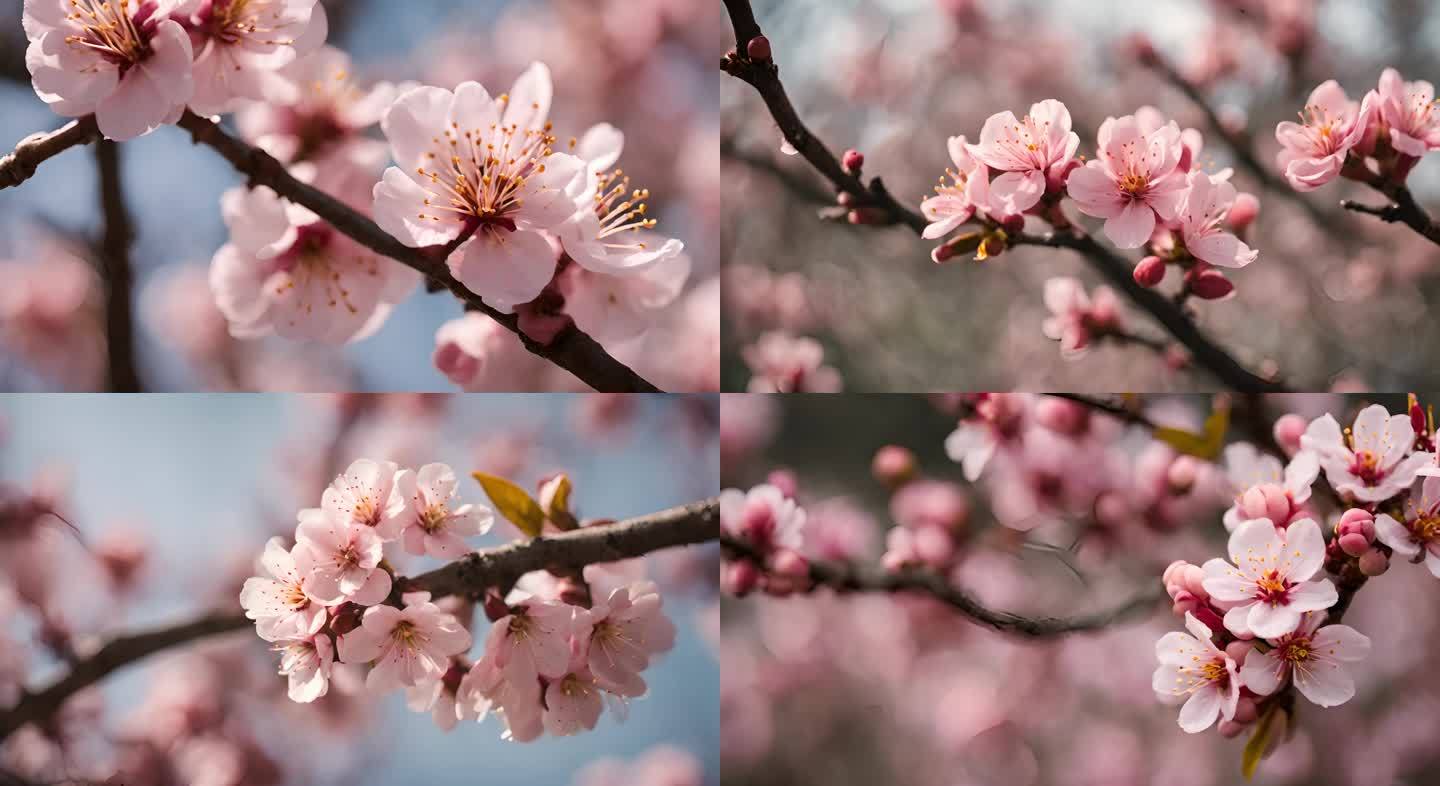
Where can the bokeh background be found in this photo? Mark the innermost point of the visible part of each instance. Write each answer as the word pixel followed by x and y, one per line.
pixel 874 688
pixel 644 66
pixel 1342 304
pixel 196 484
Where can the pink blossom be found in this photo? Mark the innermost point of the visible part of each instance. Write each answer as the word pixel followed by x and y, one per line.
pixel 279 605
pixel 126 62
pixel 286 272
pixel 1410 112
pixel 240 46
pixel 614 308
pixel 1076 318
pixel 1314 656
pixel 433 528
pixel 485 687
pixel 998 422
pixel 968 193
pixel 1133 179
pixel 367 495
pixel 344 560
pixel 1027 151
pixel 1263 488
pixel 329 108
pixel 1195 671
pixel 1202 214
pixel 1315 149
pixel 1271 582
pixel 763 516
pixel 1418 530
pixel 406 645
pixel 534 640
pixel 628 629
pixel 479 354
pixel 782 363
pixel 1371 462
pixel 307 663
pixel 449 179
pixel 573 701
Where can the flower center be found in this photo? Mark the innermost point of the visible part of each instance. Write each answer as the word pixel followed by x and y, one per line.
pixel 1366 466
pixel 347 557
pixel 519 626
pixel 1427 528
pixel 481 172
pixel 432 519
pixel 295 597
pixel 109 29
pixel 1134 183
pixel 1272 588
pixel 621 209
pixel 405 633
pixel 1298 650
pixel 229 21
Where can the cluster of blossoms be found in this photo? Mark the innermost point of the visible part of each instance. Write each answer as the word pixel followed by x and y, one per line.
pixel 331 599
pixel 1377 140
pixel 1145 181
pixel 769 521
pixel 782 362
pixel 1268 618
pixel 552 230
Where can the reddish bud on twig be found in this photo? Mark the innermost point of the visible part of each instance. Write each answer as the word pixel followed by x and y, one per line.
pixel 1150 271
pixel 1210 285
pixel 853 160
pixel 758 48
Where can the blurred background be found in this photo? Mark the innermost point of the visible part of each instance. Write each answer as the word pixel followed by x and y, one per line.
pixel 176 496
pixel 1336 300
pixel 644 66
pixel 875 688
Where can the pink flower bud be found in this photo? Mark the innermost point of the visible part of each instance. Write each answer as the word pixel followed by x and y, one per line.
pixel 757 523
pixel 1210 285
pixel 1150 271
pixel 1288 430
pixel 758 48
pixel 1244 211
pixel 784 480
pixel 893 465
pixel 1062 415
pixel 934 546
pixel 1184 603
pixel 1374 562
pixel 1238 650
pixel 788 562
pixel 740 578
pixel 1359 522
pixel 1354 544
pixel 1208 616
pixel 853 160
pixel 1192 578
pixel 1013 223
pixel 1173 571
pixel 1111 510
pixel 1267 501
pixel 1181 475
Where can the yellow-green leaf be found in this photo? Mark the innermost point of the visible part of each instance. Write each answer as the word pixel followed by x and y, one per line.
pixel 558 508
pixel 1260 740
pixel 514 503
pixel 1206 445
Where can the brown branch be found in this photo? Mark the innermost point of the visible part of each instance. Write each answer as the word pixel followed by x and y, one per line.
pixel 1403 209
pixel 1110 407
pixel 471 576
pixel 883 209
pixel 36 149
pixel 842 577
pixel 113 251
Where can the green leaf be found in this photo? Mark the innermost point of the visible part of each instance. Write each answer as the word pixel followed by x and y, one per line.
pixel 1260 740
pixel 514 503
pixel 1206 445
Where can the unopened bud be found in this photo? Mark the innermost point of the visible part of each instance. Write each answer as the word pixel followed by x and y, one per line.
pixel 758 48
pixel 1288 430
pixel 787 562
pixel 1150 271
pixel 1210 285
pixel 853 160
pixel 1181 475
pixel 1374 562
pixel 893 465
pixel 1244 211
pixel 1354 544
pixel 739 578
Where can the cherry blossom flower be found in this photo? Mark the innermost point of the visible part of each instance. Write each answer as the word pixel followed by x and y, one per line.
pixel 998 422
pixel 628 628
pixel 240 45
pixel 438 696
pixel 534 640
pixel 1315 149
pixel 620 307
pixel 968 193
pixel 279 605
pixel 1026 151
pixel 1195 671
pixel 1271 581
pixel 307 663
pixel 1132 180
pixel 1076 318
pixel 126 62
pixel 433 528
pixel 479 354
pixel 783 363
pixel 485 688
pixel 610 232
pixel 1371 462
pixel 762 516
pixel 1202 215
pixel 1410 112
pixel 406 645
pixel 344 560
pixel 1314 657
pixel 469 160
pixel 1418 532
pixel 329 108
pixel 574 701
pixel 1263 488
pixel 286 272
pixel 367 495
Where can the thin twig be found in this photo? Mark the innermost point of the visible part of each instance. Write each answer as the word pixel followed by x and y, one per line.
pixel 36 149
pixel 842 577
pixel 471 576
pixel 1110 407
pixel 113 251
pixel 884 209
pixel 1405 210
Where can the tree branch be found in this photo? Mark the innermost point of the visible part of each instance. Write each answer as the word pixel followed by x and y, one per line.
pixel 1404 209
pixel 842 577
pixel 113 250
pixel 573 349
pixel 884 209
pixel 36 149
pixel 471 575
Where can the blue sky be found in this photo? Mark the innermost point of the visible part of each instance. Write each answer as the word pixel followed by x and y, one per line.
pixel 191 471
